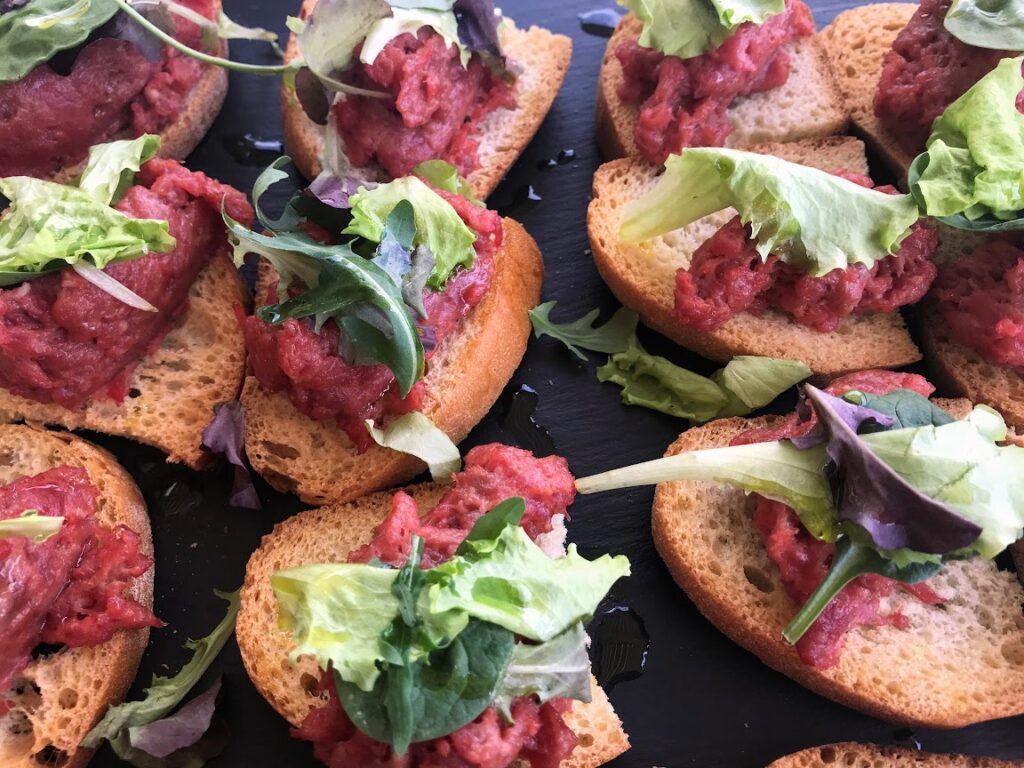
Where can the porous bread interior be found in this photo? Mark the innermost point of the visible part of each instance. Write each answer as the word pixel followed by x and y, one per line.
pixel 853 755
pixel 540 59
pixel 855 44
pixel 956 664
pixel 809 104
pixel 61 696
pixel 317 461
pixel 327 535
pixel 199 363
pixel 642 275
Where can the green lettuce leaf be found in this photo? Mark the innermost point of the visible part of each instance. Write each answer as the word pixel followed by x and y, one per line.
pixel 971 175
pixel 518 587
pixel 616 335
pixel 32 34
pixel 409 20
pixel 791 209
pixel 31 525
pixel 110 168
pixel 995 24
pixel 752 382
pixel 559 668
pixel 688 28
pixel 444 175
pixel 438 226
pixel 415 434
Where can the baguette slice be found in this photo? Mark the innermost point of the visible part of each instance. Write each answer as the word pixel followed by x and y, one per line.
pixel 199 363
pixel 643 276
pixel 317 461
pixel 63 695
pixel 542 59
pixel 809 105
pixel 954 666
pixel 328 535
pixel 856 44
pixel 853 755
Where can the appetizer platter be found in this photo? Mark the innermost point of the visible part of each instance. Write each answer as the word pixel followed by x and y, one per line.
pixel 424 384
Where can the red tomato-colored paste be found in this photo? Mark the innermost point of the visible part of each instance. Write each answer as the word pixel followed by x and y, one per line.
pixel 727 276
pixel 307 366
pixel 684 101
pixel 70 589
pixel 982 300
pixel 926 71
pixel 435 110
pixel 803 561
pixel 48 119
pixel 62 340
pixel 539 735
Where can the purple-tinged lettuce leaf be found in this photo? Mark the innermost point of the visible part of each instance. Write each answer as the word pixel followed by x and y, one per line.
pixel 312 96
pixel 225 436
pixel 332 191
pixel 853 415
pixel 10 5
pixel 869 493
pixel 478 26
pixel 178 731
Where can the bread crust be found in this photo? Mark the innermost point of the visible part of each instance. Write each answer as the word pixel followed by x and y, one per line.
pixel 854 755
pixel 316 460
pixel 642 276
pixel 855 45
pixel 75 685
pixel 810 104
pixel 504 134
pixel 953 667
pixel 327 535
pixel 199 363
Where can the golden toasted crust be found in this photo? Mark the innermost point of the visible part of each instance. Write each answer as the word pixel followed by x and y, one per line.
pixel 642 276
pixel 853 755
pixel 317 461
pixel 328 535
pixel 63 695
pixel 543 58
pixel 200 363
pixel 956 665
pixel 809 105
pixel 855 45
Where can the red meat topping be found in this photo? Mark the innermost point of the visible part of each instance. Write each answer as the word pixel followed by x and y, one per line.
pixel 728 276
pixel 62 340
pixel 803 561
pixel 684 101
pixel 70 589
pixel 49 120
pixel 306 365
pixel 435 110
pixel 926 71
pixel 539 735
pixel 982 300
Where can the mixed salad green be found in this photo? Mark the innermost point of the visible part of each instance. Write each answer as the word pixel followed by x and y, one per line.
pixel 32 525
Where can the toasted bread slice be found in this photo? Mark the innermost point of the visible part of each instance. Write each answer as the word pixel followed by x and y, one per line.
pixel 317 461
pixel 327 535
pixel 60 697
pixel 643 276
pixel 809 105
pixel 201 362
pixel 541 60
pixel 853 755
pixel 856 44
pixel 955 665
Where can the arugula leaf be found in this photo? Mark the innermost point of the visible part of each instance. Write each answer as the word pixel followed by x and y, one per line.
pixel 789 208
pixel 616 335
pixel 33 33
pixel 31 525
pixel 415 434
pixel 993 24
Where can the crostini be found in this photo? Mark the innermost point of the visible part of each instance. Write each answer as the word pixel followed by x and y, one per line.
pixel 432 319
pixel 117 314
pixel 360 111
pixel 75 527
pixel 854 755
pixel 678 75
pixel 505 501
pixel 861 565
pixel 691 284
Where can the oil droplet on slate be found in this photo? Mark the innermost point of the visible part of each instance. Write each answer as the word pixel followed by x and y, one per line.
pixel 249 150
pixel 600 21
pixel 907 738
pixel 517 409
pixel 620 646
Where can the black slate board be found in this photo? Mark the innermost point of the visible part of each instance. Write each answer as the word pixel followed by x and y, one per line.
pixel 702 701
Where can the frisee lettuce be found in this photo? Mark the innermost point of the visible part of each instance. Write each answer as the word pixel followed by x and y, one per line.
pixel 790 208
